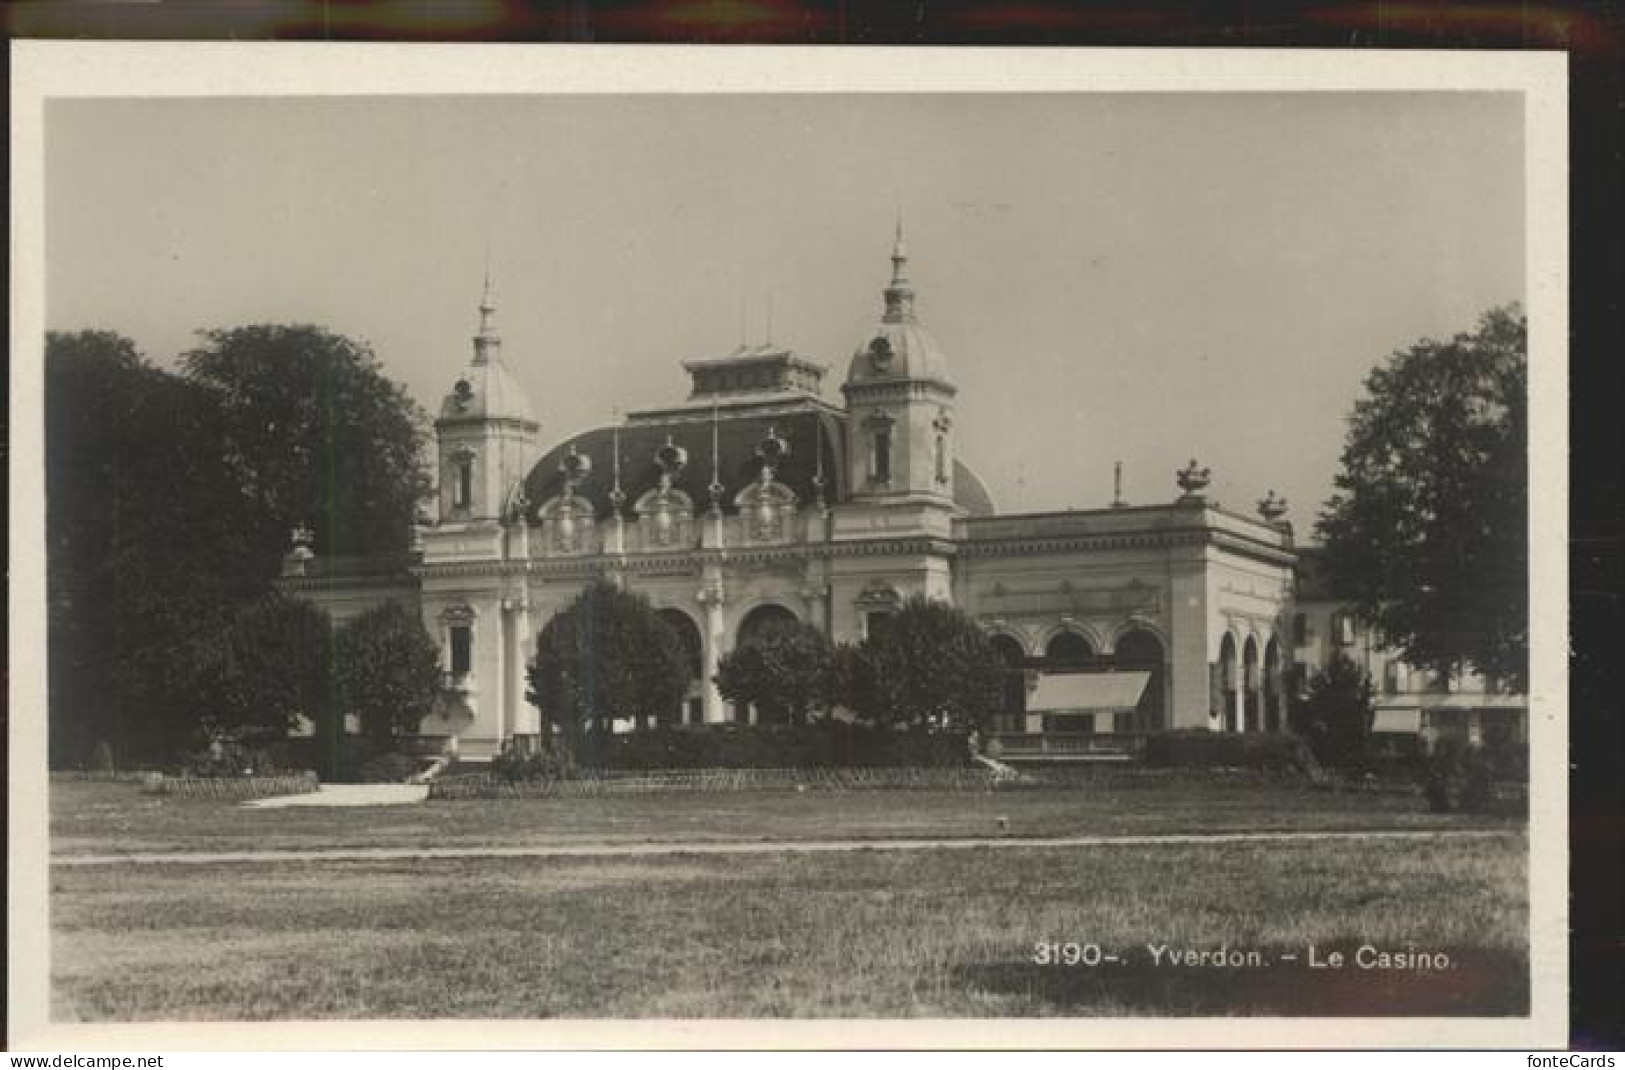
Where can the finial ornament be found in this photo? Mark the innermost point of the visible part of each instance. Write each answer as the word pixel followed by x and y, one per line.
pixel 1192 480
pixel 575 467
pixel 1117 486
pixel 770 451
pixel 716 489
pixel 1272 507
pixel 818 466
pixel 617 496
pixel 671 459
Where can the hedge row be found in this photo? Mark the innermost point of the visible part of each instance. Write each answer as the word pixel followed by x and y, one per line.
pixel 99 776
pixel 1198 748
pixel 231 789
pixel 823 745
pixel 490 786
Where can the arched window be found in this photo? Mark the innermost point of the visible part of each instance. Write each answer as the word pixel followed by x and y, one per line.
pixel 880 457
pixel 462 482
pixel 1140 650
pixel 1068 650
pixel 1229 683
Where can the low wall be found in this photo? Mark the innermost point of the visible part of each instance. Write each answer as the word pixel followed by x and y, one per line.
pixel 491 786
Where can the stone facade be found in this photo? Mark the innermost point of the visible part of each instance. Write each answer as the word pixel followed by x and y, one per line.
pixel 757 497
pixel 1413 708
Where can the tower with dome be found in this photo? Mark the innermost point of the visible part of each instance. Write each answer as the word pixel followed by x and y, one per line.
pixel 760 497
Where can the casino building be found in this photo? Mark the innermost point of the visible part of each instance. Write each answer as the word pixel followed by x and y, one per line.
pixel 760 496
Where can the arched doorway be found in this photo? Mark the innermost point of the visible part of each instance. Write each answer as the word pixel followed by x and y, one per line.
pixel 763 616
pixel 682 625
pixel 1274 712
pixel 1139 650
pixel 1013 717
pixel 1068 651
pixel 1229 670
pixel 1252 720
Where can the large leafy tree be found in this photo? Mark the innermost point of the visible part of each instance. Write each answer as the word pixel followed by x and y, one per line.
pixel 272 666
pixel 607 655
pixel 1336 714
pixel 1427 530
pixel 932 666
pixel 387 671
pixel 317 435
pixel 785 669
pixel 145 547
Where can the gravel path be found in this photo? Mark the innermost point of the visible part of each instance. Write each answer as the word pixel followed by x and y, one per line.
pixel 348 795
pixel 644 850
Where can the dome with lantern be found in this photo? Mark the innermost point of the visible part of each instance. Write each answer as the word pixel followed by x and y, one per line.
pixel 899 348
pixel 487 390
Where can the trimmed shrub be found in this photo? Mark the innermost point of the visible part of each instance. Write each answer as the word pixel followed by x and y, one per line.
pixel 824 744
pixel 1461 778
pixel 233 759
pixel 490 786
pixel 513 766
pixel 1198 748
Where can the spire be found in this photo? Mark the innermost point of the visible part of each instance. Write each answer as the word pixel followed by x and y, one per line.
pixel 900 294
pixel 488 343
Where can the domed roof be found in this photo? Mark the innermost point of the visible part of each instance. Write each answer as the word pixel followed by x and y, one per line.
pixel 970 493
pixel 898 351
pixel 899 348
pixel 487 390
pixel 805 434
pixel 812 430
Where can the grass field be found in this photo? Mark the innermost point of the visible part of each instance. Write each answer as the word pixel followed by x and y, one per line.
pixel 859 934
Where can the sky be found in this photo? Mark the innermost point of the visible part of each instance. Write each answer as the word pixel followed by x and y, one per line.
pixel 1145 278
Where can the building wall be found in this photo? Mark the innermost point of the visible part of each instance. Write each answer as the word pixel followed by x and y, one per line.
pixel 1409 702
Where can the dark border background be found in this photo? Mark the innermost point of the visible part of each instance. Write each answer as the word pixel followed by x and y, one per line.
pixel 1593 36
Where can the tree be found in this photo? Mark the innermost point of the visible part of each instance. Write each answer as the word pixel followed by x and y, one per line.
pixel 607 655
pixel 930 667
pixel 1427 530
pixel 1336 714
pixel 145 548
pixel 316 435
pixel 785 670
pixel 387 671
pixel 273 666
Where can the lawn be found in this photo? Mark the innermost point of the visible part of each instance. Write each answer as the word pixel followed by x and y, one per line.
pixel 867 933
pixel 99 818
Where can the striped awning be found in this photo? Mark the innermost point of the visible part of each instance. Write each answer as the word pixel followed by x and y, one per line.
pixel 1066 692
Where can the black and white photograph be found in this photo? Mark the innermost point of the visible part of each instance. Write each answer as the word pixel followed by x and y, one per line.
pixel 885 549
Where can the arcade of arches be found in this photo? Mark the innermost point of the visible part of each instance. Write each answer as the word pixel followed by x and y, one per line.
pixel 1136 649
pixel 1249 693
